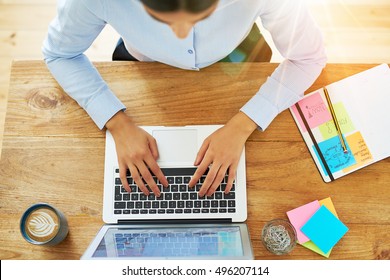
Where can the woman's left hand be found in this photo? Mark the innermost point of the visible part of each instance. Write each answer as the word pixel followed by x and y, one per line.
pixel 220 152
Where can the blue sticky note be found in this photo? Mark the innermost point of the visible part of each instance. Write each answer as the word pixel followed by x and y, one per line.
pixel 334 155
pixel 324 229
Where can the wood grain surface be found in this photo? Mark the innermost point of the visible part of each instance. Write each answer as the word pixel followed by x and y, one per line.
pixel 52 152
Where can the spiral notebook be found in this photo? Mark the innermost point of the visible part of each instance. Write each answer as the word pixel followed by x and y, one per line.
pixel 361 104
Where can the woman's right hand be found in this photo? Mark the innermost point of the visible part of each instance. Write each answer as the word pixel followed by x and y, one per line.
pixel 137 151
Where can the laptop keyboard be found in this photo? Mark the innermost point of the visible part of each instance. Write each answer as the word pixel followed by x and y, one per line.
pixel 177 198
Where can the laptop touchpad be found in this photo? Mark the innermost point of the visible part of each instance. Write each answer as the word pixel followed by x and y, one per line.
pixel 179 145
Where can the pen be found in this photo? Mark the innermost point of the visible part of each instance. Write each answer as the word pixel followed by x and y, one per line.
pixel 336 123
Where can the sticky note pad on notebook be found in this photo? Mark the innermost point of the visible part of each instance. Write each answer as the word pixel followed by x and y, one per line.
pixel 299 216
pixel 324 229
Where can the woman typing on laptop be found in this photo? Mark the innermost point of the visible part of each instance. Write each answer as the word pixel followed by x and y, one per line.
pixel 188 34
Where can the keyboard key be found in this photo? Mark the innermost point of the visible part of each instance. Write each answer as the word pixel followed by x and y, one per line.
pixel 179 180
pixel 189 204
pixel 138 204
pixel 222 203
pixel 180 204
pixel 130 205
pixel 147 204
pixel 119 205
pixel 206 203
pixel 230 195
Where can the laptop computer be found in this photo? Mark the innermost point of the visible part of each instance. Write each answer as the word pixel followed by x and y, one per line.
pixel 140 226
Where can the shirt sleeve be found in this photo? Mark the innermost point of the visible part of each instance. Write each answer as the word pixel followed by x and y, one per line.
pixel 70 34
pixel 299 40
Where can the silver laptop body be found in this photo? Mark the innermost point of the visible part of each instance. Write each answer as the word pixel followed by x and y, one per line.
pixel 178 147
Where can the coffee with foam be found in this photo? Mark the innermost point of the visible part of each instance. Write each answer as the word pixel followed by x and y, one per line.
pixel 42 224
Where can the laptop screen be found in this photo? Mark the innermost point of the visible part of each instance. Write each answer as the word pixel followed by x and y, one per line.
pixel 170 242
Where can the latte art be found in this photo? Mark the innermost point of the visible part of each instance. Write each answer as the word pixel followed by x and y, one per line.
pixel 42 225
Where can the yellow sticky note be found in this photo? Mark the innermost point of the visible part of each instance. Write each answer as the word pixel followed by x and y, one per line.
pixel 327 202
pixel 359 150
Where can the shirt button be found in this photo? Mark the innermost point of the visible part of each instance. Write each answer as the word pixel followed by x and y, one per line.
pixel 190 51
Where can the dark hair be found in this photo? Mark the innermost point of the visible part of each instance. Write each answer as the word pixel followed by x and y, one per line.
pixel 191 6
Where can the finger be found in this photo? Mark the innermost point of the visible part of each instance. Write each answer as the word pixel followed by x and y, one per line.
pixel 153 166
pixel 209 179
pixel 138 179
pixel 202 151
pixel 217 180
pixel 148 178
pixel 204 164
pixel 123 177
pixel 198 173
pixel 153 147
pixel 231 177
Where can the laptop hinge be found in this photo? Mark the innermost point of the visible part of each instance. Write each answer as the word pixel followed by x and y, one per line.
pixel 175 221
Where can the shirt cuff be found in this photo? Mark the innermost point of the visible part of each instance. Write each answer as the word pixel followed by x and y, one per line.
pixel 104 107
pixel 260 110
pixel 269 101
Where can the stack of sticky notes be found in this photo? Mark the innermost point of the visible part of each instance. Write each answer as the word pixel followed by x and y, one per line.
pixel 317 225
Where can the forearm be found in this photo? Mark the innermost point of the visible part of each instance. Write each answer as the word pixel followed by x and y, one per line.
pixel 81 80
pixel 242 124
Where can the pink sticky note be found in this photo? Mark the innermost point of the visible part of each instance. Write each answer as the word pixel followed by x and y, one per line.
pixel 314 109
pixel 299 216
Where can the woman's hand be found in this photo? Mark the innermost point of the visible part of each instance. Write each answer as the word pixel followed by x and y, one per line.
pixel 221 151
pixel 137 151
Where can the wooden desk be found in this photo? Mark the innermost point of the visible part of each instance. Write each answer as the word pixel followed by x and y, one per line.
pixel 52 152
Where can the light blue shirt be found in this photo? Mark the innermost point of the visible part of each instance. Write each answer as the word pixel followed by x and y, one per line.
pixel 79 22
